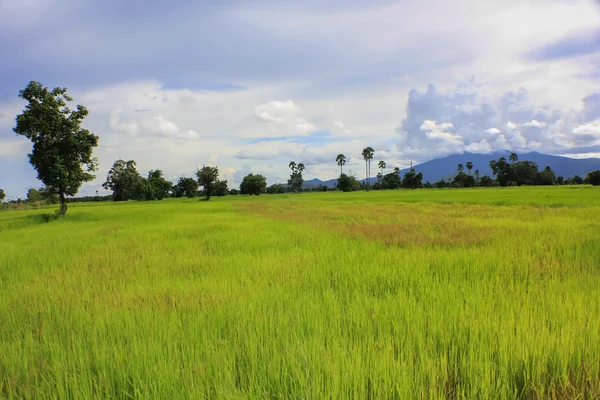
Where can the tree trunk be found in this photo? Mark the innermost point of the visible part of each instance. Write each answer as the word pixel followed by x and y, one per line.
pixel 367 174
pixel 63 204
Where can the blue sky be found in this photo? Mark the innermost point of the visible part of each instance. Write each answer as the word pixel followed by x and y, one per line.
pixel 251 85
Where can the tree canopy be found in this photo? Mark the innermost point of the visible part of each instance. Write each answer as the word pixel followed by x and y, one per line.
pixel 253 184
pixel 207 177
pixel 62 150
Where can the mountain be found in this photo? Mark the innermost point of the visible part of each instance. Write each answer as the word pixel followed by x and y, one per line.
pixel 446 167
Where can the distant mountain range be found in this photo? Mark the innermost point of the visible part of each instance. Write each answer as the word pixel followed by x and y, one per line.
pixel 446 167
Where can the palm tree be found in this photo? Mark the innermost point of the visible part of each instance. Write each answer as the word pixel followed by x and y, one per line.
pixel 469 166
pixel 292 165
pixel 381 165
pixel 477 175
pixel 379 176
pixel 513 157
pixel 493 165
pixel 367 154
pixel 341 161
pixel 397 170
pixel 460 168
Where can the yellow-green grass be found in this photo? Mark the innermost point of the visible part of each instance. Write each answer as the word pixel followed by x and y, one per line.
pixel 486 293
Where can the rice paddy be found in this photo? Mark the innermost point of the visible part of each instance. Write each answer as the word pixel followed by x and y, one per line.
pixel 428 294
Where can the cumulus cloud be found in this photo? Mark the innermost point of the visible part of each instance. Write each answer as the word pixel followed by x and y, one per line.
pixel 467 119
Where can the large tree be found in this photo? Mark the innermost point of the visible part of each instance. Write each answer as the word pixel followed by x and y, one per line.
pixel 367 155
pixel 207 177
pixel 187 187
pixel 253 184
pixel 347 183
pixel 62 150
pixel 513 157
pixel 33 195
pixel 2 195
pixel 593 178
pixel 123 180
pixel 296 180
pixel 341 161
pixel 161 187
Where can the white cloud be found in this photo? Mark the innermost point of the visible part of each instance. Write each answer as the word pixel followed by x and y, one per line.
pixel 493 131
pixel 534 123
pixel 591 128
pixel 284 116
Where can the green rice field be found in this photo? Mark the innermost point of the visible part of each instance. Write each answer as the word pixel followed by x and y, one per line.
pixel 426 294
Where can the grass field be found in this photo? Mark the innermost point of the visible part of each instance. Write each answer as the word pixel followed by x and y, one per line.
pixel 483 293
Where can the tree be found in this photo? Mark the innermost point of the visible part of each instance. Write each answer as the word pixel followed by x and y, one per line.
pixel 493 166
pixel 460 168
pixel 207 177
pixel 347 183
pixel 221 189
pixel 477 175
pixel 2 195
pixel 397 171
pixel 513 157
pixel 392 181
pixel 577 180
pixel 61 148
pixel 48 196
pixel 253 184
pixel 486 181
pixel 463 180
pixel 412 180
pixel 187 187
pixel 546 177
pixel 160 186
pixel 33 195
pixel 560 180
pixel 295 182
pixel 469 166
pixel 593 178
pixel 276 188
pixel 143 190
pixel 381 166
pixel 122 180
pixel 367 154
pixel 341 161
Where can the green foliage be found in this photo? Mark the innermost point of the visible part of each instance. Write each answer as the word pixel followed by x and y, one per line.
pixel 392 181
pixel 486 181
pixel 48 196
pixel 463 180
pixel 207 177
pixel 160 186
pixel 546 177
pixel 60 146
pixel 367 155
pixel 234 192
pixel 2 195
pixel 276 188
pixel 296 180
pixel 347 183
pixel 593 178
pixel 412 180
pixel 341 161
pixel 33 195
pixel 185 187
pixel 253 184
pixel 122 180
pixel 220 189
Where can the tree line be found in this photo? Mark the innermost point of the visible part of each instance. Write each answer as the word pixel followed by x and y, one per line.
pixel 62 156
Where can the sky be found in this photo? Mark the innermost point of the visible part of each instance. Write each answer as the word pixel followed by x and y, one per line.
pixel 250 85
